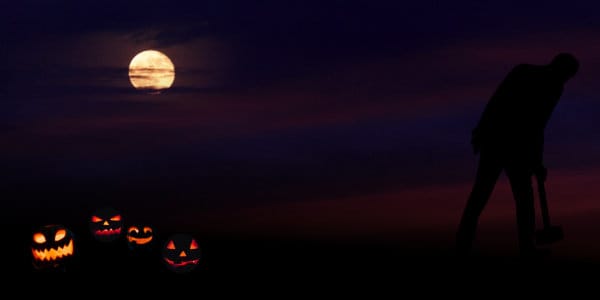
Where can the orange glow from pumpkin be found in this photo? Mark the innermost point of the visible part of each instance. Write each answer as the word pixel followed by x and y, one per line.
pixel 60 234
pixel 183 263
pixel 171 245
pixel 39 238
pixel 116 218
pixel 193 245
pixel 96 219
pixel 139 241
pixel 108 231
pixel 53 254
pixel 182 254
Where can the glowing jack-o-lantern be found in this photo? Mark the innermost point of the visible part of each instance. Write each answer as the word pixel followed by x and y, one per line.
pixel 52 246
pixel 106 224
pixel 181 253
pixel 138 235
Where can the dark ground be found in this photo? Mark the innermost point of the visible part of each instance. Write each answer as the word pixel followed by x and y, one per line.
pixel 253 258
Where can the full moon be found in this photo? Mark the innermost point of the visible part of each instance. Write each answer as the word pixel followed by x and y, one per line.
pixel 152 71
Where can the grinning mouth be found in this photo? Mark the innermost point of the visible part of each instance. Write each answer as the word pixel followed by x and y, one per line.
pixel 139 241
pixel 182 263
pixel 53 253
pixel 108 231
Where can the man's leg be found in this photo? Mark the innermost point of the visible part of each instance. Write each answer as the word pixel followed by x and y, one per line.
pixel 520 181
pixel 488 171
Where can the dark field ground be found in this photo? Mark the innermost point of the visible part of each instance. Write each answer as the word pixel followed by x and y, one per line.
pixel 254 258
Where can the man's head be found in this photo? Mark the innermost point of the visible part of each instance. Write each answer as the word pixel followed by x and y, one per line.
pixel 565 65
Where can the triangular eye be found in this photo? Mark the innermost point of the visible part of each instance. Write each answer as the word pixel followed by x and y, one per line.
pixel 133 229
pixel 116 218
pixel 60 234
pixel 193 245
pixel 147 230
pixel 171 245
pixel 39 238
pixel 96 219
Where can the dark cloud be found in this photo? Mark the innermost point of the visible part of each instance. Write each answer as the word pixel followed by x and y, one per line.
pixel 290 164
pixel 331 21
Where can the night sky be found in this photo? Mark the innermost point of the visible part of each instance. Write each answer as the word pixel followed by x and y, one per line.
pixel 289 119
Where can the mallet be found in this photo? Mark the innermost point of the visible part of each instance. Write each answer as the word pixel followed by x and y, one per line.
pixel 549 233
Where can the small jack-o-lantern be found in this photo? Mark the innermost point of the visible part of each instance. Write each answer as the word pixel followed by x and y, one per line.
pixel 52 246
pixel 181 253
pixel 139 235
pixel 106 224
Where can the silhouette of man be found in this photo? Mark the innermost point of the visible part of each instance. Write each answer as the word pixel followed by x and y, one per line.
pixel 510 137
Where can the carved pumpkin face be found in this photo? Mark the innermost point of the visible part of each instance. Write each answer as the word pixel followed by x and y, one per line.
pixel 181 253
pixel 52 246
pixel 106 224
pixel 139 235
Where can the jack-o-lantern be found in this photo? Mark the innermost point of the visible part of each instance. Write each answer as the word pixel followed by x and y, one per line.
pixel 106 224
pixel 52 246
pixel 181 253
pixel 139 235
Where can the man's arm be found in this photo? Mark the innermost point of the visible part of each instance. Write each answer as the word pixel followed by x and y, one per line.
pixel 494 109
pixel 547 107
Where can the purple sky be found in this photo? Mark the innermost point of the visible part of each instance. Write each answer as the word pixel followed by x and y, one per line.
pixel 309 118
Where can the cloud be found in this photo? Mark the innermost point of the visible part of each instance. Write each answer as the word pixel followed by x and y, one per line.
pixel 438 93
pixel 433 211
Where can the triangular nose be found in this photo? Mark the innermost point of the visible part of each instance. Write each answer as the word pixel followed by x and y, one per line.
pixel 105 223
pixel 182 254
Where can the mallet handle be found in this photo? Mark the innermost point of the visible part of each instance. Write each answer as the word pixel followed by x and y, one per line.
pixel 543 201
